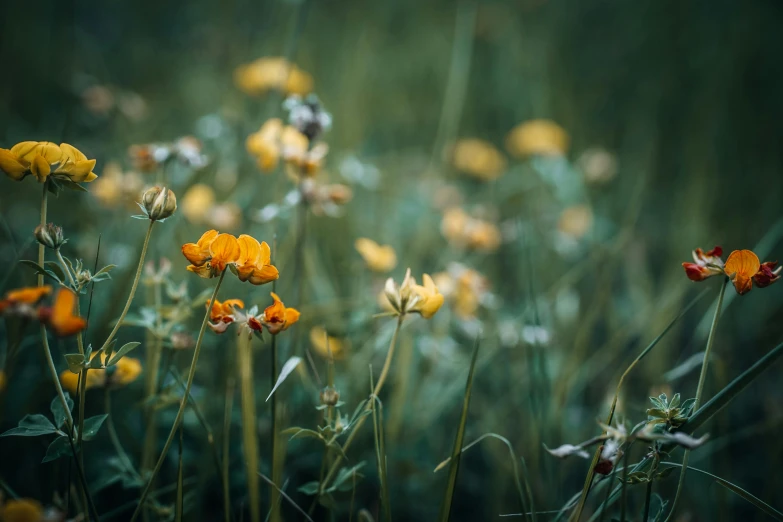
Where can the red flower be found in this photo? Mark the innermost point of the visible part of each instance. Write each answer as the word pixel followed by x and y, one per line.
pixel 706 264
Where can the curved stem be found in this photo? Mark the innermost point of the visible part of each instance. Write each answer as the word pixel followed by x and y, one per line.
pixel 183 403
pixel 382 379
pixel 133 287
pixel 115 439
pixel 699 391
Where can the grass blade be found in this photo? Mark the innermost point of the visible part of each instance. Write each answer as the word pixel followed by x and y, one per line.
pixel 179 505
pixel 380 453
pixel 445 508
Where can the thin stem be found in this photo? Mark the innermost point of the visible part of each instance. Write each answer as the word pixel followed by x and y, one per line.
pixel 229 405
pixel 184 401
pixel 382 379
pixel 624 492
pixel 249 421
pixel 41 247
pixel 274 496
pixel 699 391
pixel 133 287
pixel 115 439
pixel 648 494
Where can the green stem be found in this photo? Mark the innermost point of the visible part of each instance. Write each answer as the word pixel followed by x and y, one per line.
pixel 274 496
pixel 249 421
pixel 382 379
pixel 647 496
pixel 133 287
pixel 184 401
pixel 41 247
pixel 699 391
pixel 115 439
pixel 229 406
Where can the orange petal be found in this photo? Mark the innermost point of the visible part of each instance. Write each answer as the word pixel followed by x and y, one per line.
pixel 62 320
pixel 195 254
pixel 249 250
pixel 742 263
pixel 291 316
pixel 30 295
pixel 264 275
pixel 207 238
pixel 224 250
pixel 238 303
pixel 265 256
pixel 742 283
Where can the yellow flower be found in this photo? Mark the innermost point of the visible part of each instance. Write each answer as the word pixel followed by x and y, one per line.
pixel 126 371
pixel 537 137
pixel 70 380
pixel 410 297
pixel 430 299
pixel 272 73
pixel 318 338
pixel 197 202
pixel 575 221
pixel 274 140
pixel 253 262
pixel 378 258
pixel 115 186
pixel 741 266
pixel 214 252
pixel 75 165
pixel 22 510
pixel 198 253
pixel 464 230
pixel 39 157
pixel 16 167
pixel 277 317
pixel 478 158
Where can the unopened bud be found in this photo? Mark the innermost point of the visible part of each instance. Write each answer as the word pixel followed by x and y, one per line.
pixel 329 396
pixel 50 235
pixel 159 203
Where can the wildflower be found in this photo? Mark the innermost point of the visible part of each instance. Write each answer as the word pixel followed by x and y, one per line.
pixel 460 228
pixel 30 157
pixel 378 258
pixel 75 165
pixel 706 264
pixel 188 151
pixel 70 380
pixel 329 396
pixel 598 165
pixel 22 510
pixel 124 372
pixel 767 274
pixel 323 344
pixel 413 298
pixel 274 140
pixel 478 158
pixel 159 203
pixel 214 252
pixel 272 73
pixel 308 115
pixel 324 199
pixel 575 221
pixel 60 317
pixel 537 137
pixel 197 202
pixel 223 314
pixel 148 157
pixel 50 235
pixel 115 186
pixel 277 317
pixel 741 266
pixel 159 275
pixel 22 300
pixel 254 261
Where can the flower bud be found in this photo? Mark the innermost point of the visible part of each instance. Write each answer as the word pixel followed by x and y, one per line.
pixel 50 235
pixel 159 203
pixel 329 396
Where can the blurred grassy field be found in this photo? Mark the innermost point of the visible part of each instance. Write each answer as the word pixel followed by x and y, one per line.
pixel 684 96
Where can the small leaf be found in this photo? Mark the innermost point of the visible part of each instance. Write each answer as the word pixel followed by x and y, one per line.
pixel 121 352
pixel 57 409
pixel 345 474
pixel 110 349
pixel 139 216
pixel 39 269
pixel 58 448
pixel 310 488
pixel 303 432
pixel 658 413
pixel 70 185
pixel 687 407
pixel 56 269
pixel 675 402
pixel 106 269
pixel 75 362
pixel 32 426
pixel 92 425
pixel 97 361
pixel 288 367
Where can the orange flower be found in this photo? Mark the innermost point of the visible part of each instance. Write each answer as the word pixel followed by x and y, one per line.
pixel 253 263
pixel 767 274
pixel 223 314
pixel 705 264
pixel 277 317
pixel 198 253
pixel 24 296
pixel 60 317
pixel 22 510
pixel 211 254
pixel 741 266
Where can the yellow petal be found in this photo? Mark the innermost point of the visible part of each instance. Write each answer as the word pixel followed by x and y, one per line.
pixel 742 262
pixel 13 165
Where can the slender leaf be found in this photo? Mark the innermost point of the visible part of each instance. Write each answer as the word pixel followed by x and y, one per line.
pixel 92 425
pixel 58 448
pixel 122 352
pixel 445 509
pixel 289 366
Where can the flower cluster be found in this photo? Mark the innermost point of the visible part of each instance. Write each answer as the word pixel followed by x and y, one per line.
pixel 245 256
pixel 742 267
pixel 275 140
pixel 465 289
pixel 43 159
pixel 152 156
pixel 275 317
pixel 59 316
pixel 410 297
pixel 464 230
pixel 272 73
pixel 122 373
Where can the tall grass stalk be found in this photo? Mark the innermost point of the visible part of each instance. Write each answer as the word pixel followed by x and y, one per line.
pixel 249 421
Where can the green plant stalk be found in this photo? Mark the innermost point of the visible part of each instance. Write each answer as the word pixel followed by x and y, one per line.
pixel 624 491
pixel 277 468
pixel 41 247
pixel 183 402
pixel 699 391
pixel 229 405
pixel 133 287
pixel 180 486
pixel 249 421
pixel 647 496
pixel 151 383
pixel 377 390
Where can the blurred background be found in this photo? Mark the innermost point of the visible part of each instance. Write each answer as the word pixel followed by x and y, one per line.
pixel 652 129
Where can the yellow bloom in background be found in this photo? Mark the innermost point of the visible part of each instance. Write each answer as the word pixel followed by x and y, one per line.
pixel 274 140
pixel 126 371
pixel 537 137
pixel 430 299
pixel 575 221
pixel 272 73
pixel 22 510
pixel 3 381
pixel 277 317
pixel 478 158
pixel 464 230
pixel 318 339
pixel 227 215
pixel 115 187
pixel 70 380
pixel 379 258
pixel 463 287
pixel 197 203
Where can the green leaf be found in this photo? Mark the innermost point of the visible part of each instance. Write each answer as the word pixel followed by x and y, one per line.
pixel 53 186
pixel 92 425
pixel 75 362
pixel 70 185
pixel 122 352
pixel 675 401
pixel 32 426
pixel 56 269
pixel 40 270
pixel 57 409
pixel 445 508
pixel 310 488
pixel 655 412
pixel 723 397
pixel 97 361
pixel 110 349
pixel 58 448
pixel 343 475
pixel 302 432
